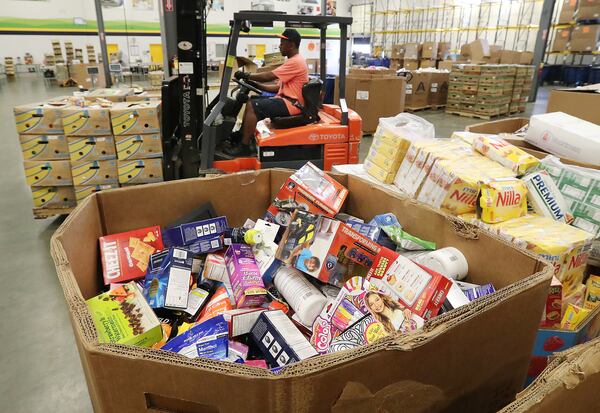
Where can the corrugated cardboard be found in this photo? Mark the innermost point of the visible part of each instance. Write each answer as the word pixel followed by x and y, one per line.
pixel 82 192
pixel 273 58
pixel 94 172
pixel 443 50
pixel 585 38
pixel 44 147
pixel 145 95
pixel 92 148
pixel 509 57
pixel 582 102
pixel 478 51
pixel 438 89
pixel 567 12
pixel 411 64
pixel 373 95
pixel 588 10
pixel 483 347
pixel 412 51
pixel 417 90
pixel 133 118
pixel 53 196
pixel 79 73
pixel 525 58
pixel 495 54
pixel 41 118
pixel 114 95
pixel 138 146
pixel 91 120
pixel 446 64
pixel 570 383
pixel 48 173
pixel 397 51
pixel 140 171
pixel 561 40
pixel 313 65
pixel 427 63
pixel 429 50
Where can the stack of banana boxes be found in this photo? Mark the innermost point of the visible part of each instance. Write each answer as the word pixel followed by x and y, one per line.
pixel 75 147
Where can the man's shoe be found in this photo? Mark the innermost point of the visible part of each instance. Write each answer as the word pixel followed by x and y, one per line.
pixel 239 151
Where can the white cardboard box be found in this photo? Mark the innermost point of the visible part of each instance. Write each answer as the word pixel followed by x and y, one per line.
pixel 565 136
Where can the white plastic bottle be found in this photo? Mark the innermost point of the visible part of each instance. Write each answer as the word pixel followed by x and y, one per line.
pixel 306 300
pixel 447 261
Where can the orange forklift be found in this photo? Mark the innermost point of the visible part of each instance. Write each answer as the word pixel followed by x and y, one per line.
pixel 323 134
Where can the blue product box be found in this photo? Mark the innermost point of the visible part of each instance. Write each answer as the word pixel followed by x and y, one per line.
pixel 167 285
pixel 549 341
pixel 373 232
pixel 208 339
pixel 200 237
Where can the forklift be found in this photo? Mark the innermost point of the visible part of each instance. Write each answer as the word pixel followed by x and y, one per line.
pixel 193 131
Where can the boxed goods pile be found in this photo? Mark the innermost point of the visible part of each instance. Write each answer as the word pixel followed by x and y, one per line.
pixel 581 102
pixel 236 316
pixel 585 38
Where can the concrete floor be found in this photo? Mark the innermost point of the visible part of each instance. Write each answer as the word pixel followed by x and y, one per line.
pixel 41 369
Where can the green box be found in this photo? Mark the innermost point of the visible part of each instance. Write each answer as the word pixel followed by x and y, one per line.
pixel 123 316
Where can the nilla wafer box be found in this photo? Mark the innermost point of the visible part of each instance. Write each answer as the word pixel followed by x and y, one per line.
pixel 125 256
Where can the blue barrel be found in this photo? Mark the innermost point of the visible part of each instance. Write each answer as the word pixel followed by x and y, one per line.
pixel 575 74
pixel 551 74
pixel 594 75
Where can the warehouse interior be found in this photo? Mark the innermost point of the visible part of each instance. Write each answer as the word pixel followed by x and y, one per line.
pixel 438 77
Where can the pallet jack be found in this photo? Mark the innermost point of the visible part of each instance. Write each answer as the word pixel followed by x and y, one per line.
pixel 325 135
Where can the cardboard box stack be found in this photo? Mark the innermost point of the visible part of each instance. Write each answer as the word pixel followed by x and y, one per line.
pixel 429 54
pixel 9 66
pixel 136 127
pixel 585 38
pixel 521 88
pixel 412 54
pixel 57 50
pixel 91 53
pixel 587 10
pixel 45 153
pixel 562 37
pixel 397 57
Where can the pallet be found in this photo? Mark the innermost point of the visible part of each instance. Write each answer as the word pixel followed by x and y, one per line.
pixel 437 107
pixel 417 109
pixel 472 115
pixel 43 213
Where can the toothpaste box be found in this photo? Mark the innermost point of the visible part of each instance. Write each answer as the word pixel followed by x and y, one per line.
pixel 168 285
pixel 309 189
pixel 244 275
pixel 200 237
pixel 208 339
pixel 122 316
pixel 325 248
pixel 420 289
pixel 125 256
pixel 280 340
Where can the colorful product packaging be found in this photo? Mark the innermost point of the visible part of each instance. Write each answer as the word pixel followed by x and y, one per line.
pixel 168 285
pixel 573 317
pixel 309 189
pixel 506 154
pixel 366 331
pixel 280 340
pixel 215 268
pixel 244 275
pixel 125 256
pixel 592 294
pixel 421 290
pixel 545 198
pixel 200 237
pixel 553 309
pixel 122 316
pixel 501 199
pixel 208 339
pixel 392 229
pixel 325 248
pixel 219 303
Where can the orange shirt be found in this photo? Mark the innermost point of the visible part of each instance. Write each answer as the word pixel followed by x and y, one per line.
pixel 292 75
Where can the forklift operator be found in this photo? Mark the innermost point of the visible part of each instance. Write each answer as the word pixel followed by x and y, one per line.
pixel 291 76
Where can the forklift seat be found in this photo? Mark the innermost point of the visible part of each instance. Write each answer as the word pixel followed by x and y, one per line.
pixel 311 92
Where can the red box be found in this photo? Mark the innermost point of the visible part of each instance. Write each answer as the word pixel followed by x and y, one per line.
pixel 553 310
pixel 309 189
pixel 326 249
pixel 125 256
pixel 415 286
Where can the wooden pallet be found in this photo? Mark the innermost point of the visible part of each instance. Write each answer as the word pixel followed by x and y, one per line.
pixel 43 213
pixel 417 109
pixel 472 115
pixel 437 107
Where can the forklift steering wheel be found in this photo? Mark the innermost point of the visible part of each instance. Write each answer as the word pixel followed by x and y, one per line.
pixel 247 86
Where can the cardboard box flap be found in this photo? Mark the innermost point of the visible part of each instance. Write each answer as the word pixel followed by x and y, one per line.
pixel 595 88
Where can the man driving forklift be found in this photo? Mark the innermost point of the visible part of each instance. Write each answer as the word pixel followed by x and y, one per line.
pixel 291 76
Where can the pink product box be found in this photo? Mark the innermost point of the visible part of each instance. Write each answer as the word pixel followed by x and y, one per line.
pixel 244 275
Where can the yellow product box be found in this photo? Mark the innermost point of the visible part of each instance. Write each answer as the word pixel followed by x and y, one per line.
pixel 41 118
pixel 140 171
pixel 592 293
pixel 114 95
pixel 138 146
pixel 501 199
pixel 573 317
pixel 412 164
pixel 53 196
pixel 90 120
pixel 379 173
pixel 82 192
pixel 94 172
pixel 506 154
pixel 48 173
pixel 133 118
pixel 92 148
pixel 383 161
pixel 44 147
pixel 391 151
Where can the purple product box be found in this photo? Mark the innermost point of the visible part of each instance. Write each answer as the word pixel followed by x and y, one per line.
pixel 244 275
pixel 200 237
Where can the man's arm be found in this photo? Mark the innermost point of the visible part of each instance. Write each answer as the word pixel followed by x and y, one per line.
pixel 268 87
pixel 262 77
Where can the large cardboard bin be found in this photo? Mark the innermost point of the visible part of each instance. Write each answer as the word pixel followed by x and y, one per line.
pixel 570 383
pixel 473 359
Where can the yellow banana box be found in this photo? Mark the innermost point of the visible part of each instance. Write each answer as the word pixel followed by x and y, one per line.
pixel 140 171
pixel 114 95
pixel 82 192
pixel 95 172
pixel 138 146
pixel 91 120
pixel 53 196
pixel 44 147
pixel 48 173
pixel 91 148
pixel 134 118
pixel 41 118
